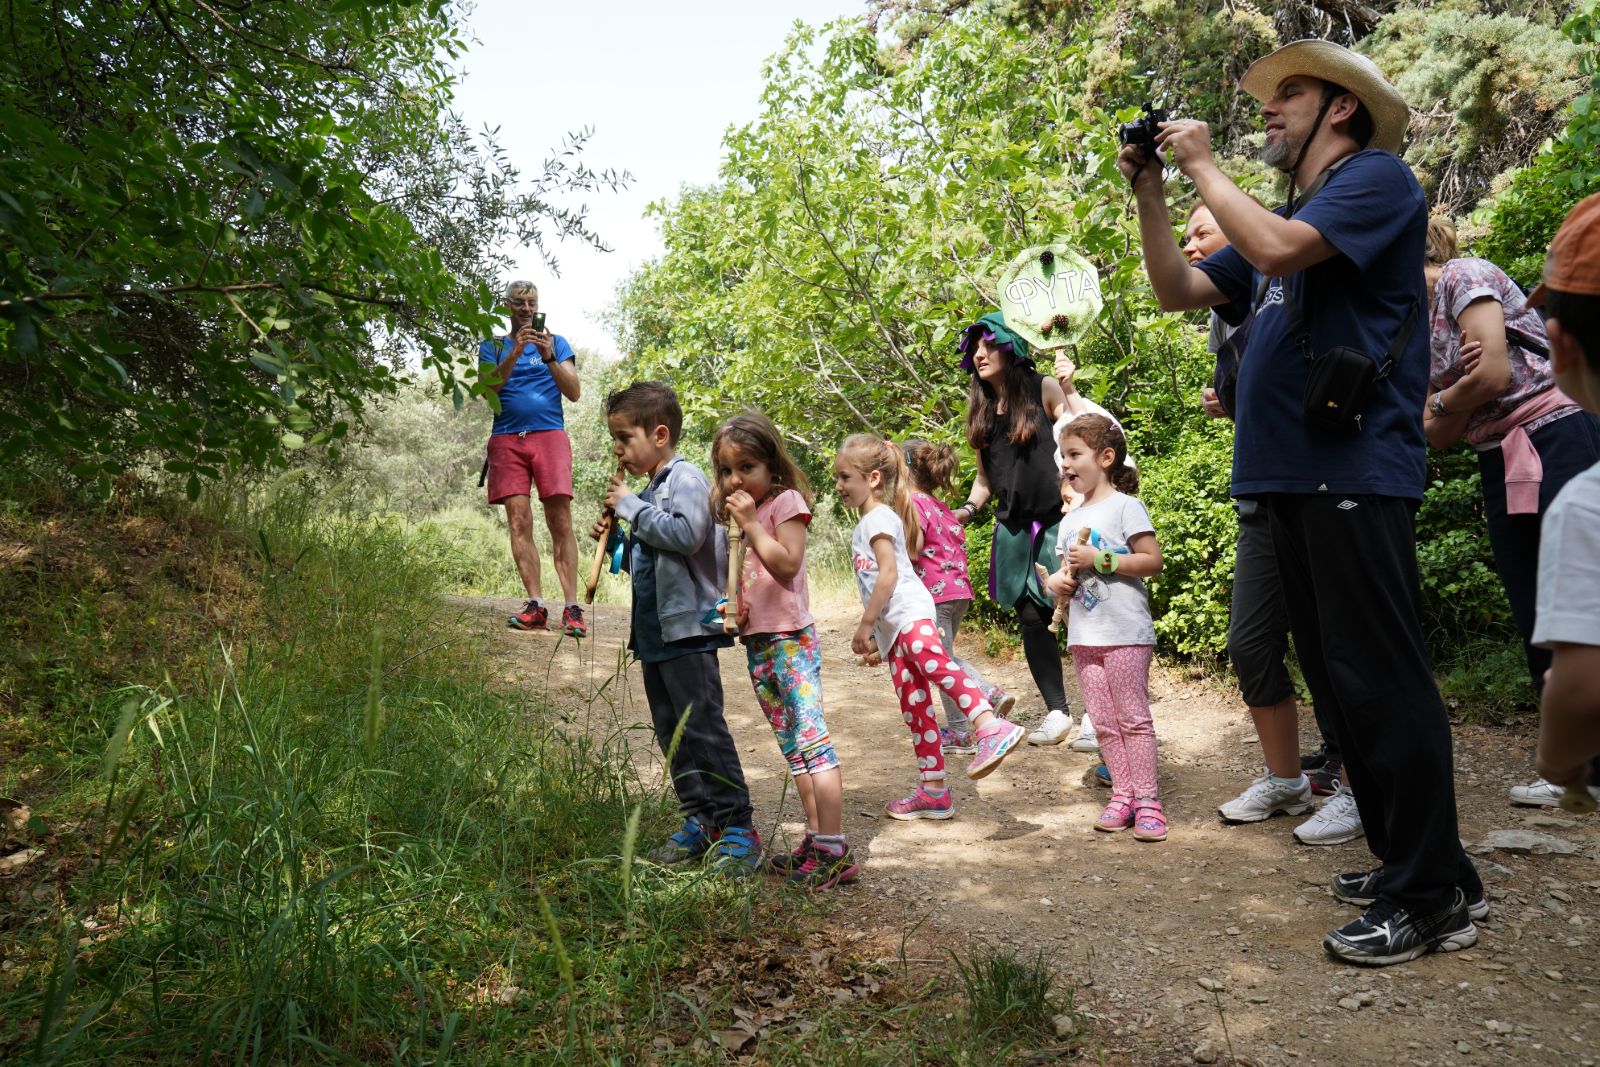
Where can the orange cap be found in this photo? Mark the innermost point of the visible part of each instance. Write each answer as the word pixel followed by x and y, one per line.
pixel 1573 265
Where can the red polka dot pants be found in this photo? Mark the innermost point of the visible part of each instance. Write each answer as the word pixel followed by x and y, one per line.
pixel 917 662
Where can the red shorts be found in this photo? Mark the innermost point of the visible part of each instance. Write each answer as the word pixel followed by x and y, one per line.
pixel 520 461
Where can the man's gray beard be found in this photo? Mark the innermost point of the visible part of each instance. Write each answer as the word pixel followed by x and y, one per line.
pixel 1276 155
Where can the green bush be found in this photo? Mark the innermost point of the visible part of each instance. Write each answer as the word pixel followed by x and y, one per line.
pixel 1186 491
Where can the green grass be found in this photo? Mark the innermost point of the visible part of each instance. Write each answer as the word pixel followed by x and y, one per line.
pixel 326 839
pixel 289 816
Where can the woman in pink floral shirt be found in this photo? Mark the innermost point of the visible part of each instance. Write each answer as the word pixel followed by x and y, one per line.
pixel 1490 382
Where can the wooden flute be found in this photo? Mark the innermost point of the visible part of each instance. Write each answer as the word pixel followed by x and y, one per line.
pixel 1061 604
pixel 608 519
pixel 736 548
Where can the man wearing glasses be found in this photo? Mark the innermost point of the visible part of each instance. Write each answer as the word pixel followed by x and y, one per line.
pixel 531 369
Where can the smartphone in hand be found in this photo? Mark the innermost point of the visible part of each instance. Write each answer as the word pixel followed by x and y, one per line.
pixel 537 321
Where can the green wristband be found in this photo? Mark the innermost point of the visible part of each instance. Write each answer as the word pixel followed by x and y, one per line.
pixel 1105 561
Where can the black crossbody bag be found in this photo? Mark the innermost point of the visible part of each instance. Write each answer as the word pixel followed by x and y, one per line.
pixel 1341 381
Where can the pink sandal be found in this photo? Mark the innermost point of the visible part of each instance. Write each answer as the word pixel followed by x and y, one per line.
pixel 1149 824
pixel 1117 816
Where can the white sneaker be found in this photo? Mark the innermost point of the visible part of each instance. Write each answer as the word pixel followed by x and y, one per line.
pixel 1265 798
pixel 1086 741
pixel 1337 821
pixel 1542 794
pixel 1052 729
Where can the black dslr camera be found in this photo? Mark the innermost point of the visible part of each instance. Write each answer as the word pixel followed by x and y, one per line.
pixel 1142 132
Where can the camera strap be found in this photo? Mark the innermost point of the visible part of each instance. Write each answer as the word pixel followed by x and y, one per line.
pixel 1298 326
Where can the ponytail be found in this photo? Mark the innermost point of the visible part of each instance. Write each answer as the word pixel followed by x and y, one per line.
pixel 933 467
pixel 901 499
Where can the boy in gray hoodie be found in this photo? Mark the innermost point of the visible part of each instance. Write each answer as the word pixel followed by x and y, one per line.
pixel 675 556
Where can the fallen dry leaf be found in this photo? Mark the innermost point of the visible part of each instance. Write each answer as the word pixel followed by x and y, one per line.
pixel 17 860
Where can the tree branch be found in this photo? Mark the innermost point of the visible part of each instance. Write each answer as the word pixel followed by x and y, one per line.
pixel 169 290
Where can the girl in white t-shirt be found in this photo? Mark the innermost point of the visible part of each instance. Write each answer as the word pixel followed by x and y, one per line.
pixel 897 619
pixel 1109 630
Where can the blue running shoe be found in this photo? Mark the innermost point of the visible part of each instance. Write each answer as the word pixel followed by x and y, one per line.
pixel 689 842
pixel 736 852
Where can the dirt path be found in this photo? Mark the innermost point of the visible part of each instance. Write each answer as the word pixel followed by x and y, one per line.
pixel 1218 927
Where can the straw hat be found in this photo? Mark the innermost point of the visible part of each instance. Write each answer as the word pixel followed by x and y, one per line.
pixel 1335 63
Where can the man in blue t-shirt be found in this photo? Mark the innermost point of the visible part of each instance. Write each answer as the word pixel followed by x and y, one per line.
pixel 1341 505
pixel 531 370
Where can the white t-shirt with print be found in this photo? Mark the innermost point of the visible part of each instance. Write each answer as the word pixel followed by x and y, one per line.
pixel 911 602
pixel 1108 609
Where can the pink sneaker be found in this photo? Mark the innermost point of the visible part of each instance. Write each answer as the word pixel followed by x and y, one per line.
pixel 1149 824
pixel 994 742
pixel 923 805
pixel 1117 816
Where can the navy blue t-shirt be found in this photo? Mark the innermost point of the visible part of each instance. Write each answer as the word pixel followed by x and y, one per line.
pixel 530 400
pixel 1372 210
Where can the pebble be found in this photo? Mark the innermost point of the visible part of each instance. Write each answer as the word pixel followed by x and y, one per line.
pixel 1065 1025
pixel 1350 1003
pixel 1205 1052
pixel 1211 985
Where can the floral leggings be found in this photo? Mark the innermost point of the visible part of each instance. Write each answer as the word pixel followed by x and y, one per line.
pixel 916 662
pixel 786 671
pixel 1115 683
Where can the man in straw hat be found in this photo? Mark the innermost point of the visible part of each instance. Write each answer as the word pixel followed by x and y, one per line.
pixel 1339 265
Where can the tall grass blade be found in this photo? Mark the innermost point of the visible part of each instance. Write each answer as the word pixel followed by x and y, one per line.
pixel 630 838
pixel 563 961
pixel 120 737
pixel 373 720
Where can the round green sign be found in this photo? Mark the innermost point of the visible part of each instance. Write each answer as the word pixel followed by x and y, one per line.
pixel 1050 295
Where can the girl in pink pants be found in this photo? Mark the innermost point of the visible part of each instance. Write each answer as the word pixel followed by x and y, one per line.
pixel 1109 630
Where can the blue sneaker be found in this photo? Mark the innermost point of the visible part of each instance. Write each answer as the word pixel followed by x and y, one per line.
pixel 736 851
pixel 1101 774
pixel 690 842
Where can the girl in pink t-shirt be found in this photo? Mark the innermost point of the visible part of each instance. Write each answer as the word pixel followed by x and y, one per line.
pixel 941 563
pixel 758 486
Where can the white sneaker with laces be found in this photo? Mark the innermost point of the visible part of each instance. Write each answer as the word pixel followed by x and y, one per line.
pixel 1542 794
pixel 1086 741
pixel 1265 798
pixel 1337 821
pixel 1052 729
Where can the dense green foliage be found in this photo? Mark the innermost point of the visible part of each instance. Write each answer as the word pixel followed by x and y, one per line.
pixel 1524 218
pixel 864 217
pixel 222 227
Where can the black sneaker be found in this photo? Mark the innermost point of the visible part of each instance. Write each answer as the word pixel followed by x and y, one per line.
pixel 1361 888
pixel 1325 779
pixel 823 870
pixel 786 863
pixel 1386 933
pixel 1314 760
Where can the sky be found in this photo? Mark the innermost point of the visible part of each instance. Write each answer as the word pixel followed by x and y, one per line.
pixel 659 84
